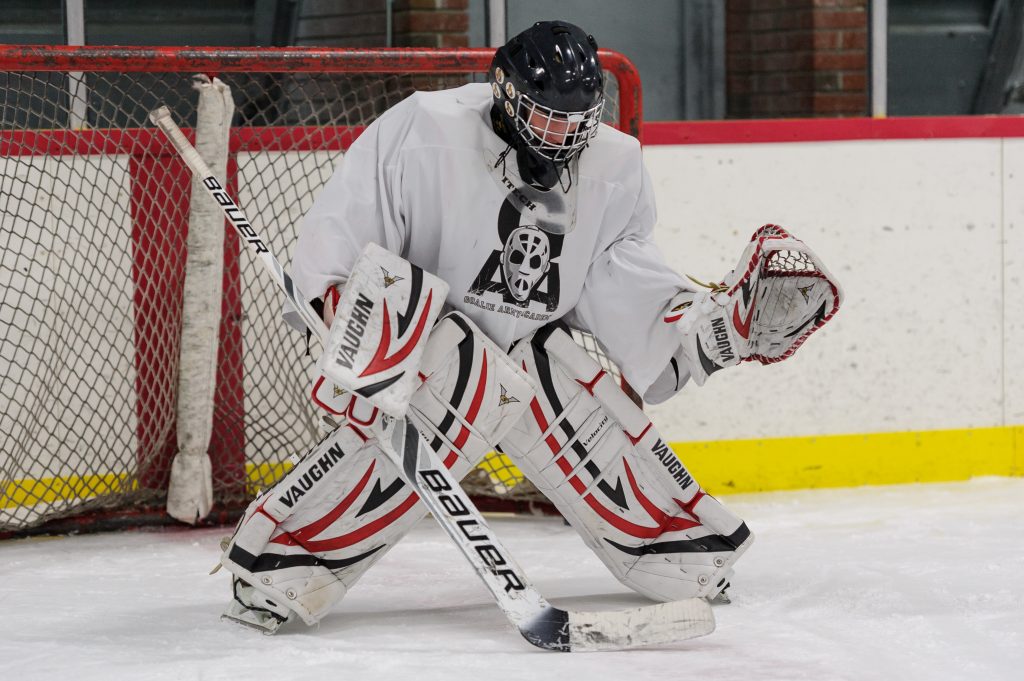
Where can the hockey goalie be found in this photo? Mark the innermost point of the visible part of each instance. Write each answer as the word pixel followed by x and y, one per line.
pixel 508 212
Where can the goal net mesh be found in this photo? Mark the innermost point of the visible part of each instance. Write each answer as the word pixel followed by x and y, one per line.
pixel 95 209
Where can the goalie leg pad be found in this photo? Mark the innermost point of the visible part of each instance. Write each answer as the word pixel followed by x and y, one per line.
pixel 472 392
pixel 600 461
pixel 308 539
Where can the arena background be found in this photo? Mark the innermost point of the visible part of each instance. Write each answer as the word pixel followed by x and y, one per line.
pixel 894 151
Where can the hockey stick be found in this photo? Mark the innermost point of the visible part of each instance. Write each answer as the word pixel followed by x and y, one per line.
pixel 540 623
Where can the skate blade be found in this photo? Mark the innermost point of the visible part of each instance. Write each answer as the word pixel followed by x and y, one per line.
pixel 263 622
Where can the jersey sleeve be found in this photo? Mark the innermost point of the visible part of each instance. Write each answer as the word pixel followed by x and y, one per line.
pixel 625 296
pixel 361 203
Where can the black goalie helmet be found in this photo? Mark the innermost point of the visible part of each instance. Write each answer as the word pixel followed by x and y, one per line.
pixel 548 91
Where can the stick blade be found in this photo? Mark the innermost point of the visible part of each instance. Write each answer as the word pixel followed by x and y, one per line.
pixel 660 624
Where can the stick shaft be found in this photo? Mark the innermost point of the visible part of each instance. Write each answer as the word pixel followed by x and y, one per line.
pixel 246 231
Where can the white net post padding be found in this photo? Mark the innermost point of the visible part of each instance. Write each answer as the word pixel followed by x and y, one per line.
pixel 190 494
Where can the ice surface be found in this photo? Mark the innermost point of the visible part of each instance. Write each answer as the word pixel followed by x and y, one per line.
pixel 896 583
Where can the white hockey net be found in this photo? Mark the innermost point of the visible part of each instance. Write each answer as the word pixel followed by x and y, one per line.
pixel 95 211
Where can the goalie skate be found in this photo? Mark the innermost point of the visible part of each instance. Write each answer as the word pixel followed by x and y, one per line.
pixel 254 609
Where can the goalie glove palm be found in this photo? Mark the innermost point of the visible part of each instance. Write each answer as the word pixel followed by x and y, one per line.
pixel 778 295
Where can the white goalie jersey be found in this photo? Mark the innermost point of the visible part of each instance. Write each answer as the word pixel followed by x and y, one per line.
pixel 430 181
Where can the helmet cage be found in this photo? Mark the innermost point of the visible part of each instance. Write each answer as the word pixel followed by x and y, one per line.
pixel 556 135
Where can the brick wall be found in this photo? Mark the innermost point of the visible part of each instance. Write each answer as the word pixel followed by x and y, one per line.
pixel 796 58
pixel 363 23
pixel 359 98
pixel 342 23
pixel 430 23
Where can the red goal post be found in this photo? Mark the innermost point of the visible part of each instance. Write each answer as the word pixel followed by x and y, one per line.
pixel 93 231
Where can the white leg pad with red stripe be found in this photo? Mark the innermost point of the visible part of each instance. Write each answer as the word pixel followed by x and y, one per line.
pixel 472 392
pixel 308 539
pixel 303 542
pixel 600 461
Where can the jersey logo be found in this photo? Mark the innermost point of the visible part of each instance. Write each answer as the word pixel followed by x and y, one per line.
pixel 524 269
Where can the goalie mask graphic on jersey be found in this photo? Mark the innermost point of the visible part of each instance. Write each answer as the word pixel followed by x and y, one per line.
pixel 525 260
pixel 524 269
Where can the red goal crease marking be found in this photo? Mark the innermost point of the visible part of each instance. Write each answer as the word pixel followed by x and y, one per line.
pixel 830 129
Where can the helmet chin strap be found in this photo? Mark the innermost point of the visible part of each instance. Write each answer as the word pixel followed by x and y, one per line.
pixel 535 169
pixel 540 172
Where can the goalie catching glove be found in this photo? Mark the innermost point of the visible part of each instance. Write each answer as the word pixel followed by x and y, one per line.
pixel 778 295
